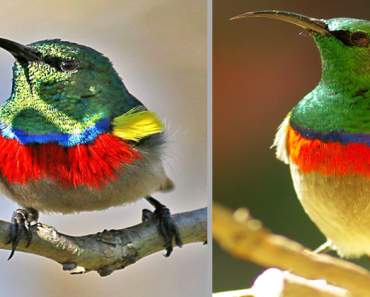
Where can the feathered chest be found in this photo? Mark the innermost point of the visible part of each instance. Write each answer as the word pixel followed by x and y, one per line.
pixel 92 164
pixel 331 154
pixel 91 158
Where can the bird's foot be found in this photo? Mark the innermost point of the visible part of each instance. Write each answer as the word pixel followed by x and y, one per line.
pixel 167 228
pixel 20 222
pixel 324 248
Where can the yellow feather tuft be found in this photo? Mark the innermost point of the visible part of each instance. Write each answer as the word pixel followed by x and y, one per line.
pixel 137 124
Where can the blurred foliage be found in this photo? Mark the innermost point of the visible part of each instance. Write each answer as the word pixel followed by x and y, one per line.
pixel 261 69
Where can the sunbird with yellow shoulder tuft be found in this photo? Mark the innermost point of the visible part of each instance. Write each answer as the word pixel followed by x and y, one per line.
pixel 74 139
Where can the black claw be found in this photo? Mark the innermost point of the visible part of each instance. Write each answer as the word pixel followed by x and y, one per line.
pixel 146 215
pixel 167 228
pixel 19 224
pixel 11 254
pixel 29 233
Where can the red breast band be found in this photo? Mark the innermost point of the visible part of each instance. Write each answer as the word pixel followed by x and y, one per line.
pixel 329 158
pixel 90 164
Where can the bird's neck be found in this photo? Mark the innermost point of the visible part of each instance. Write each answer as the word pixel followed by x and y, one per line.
pixel 29 119
pixel 339 104
pixel 345 69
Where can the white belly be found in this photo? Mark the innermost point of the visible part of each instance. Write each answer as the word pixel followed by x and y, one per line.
pixel 340 207
pixel 134 181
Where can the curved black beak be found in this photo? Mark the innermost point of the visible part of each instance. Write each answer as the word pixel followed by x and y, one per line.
pixel 21 52
pixel 307 23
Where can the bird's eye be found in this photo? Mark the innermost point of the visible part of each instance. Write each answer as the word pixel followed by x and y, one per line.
pixel 359 38
pixel 69 66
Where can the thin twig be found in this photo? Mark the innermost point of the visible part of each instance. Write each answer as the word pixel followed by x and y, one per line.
pixel 246 238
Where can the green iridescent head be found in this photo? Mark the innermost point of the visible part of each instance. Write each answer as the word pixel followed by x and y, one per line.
pixel 341 100
pixel 345 54
pixel 61 87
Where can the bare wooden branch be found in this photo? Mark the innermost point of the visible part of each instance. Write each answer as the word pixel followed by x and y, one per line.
pixel 246 238
pixel 107 251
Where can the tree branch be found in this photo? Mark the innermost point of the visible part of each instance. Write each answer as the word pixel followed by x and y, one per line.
pixel 246 238
pixel 106 251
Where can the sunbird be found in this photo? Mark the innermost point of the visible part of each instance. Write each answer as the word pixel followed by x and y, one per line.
pixel 74 139
pixel 325 139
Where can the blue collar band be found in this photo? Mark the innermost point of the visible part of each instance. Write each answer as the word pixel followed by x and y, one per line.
pixel 66 140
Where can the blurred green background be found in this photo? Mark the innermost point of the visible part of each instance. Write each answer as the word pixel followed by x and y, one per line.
pixel 261 69
pixel 159 49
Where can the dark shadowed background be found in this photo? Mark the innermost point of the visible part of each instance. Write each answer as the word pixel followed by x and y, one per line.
pixel 261 69
pixel 159 49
